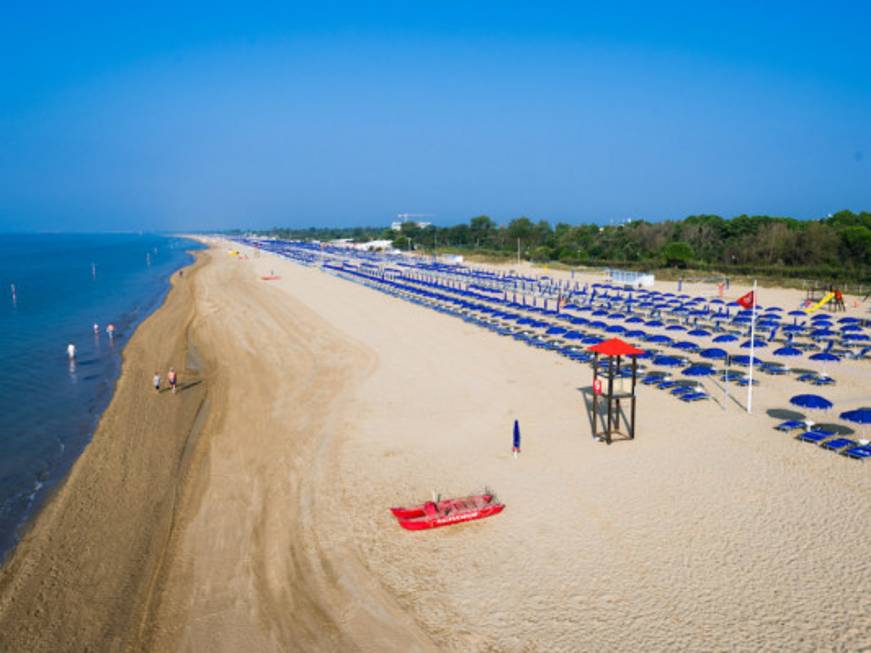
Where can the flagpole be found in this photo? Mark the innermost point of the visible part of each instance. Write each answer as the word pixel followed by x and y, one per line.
pixel 752 348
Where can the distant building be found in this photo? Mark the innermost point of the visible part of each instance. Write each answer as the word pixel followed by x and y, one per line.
pixel 371 246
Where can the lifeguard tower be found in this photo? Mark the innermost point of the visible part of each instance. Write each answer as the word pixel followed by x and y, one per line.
pixel 613 385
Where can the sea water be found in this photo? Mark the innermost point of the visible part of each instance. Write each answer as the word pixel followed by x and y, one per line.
pixel 50 405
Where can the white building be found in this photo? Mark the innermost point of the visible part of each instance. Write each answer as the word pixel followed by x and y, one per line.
pixel 397 225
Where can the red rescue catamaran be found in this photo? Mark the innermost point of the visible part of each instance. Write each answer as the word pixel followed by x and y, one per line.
pixel 434 514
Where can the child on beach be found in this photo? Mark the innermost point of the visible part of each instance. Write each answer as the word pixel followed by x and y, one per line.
pixel 157 381
pixel 172 378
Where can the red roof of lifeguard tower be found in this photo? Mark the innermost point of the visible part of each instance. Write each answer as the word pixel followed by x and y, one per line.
pixel 615 347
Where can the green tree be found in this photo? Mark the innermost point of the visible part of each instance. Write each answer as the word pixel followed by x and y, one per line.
pixel 677 254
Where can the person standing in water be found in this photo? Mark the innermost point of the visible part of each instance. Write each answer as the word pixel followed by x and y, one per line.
pixel 172 379
pixel 96 328
pixel 71 351
pixel 157 381
pixel 110 330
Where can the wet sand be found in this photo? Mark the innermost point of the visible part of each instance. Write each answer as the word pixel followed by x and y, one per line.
pixel 326 402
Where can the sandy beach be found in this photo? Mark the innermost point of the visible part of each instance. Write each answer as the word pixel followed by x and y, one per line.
pixel 250 511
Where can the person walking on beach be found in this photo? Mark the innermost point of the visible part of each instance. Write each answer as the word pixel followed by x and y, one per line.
pixel 157 381
pixel 71 351
pixel 172 379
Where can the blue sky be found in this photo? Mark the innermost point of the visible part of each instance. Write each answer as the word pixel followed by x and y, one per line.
pixel 213 116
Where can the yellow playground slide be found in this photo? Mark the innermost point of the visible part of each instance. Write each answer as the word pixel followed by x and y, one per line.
pixel 825 300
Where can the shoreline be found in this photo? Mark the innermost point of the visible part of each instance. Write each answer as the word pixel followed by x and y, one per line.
pixel 78 429
pixel 94 539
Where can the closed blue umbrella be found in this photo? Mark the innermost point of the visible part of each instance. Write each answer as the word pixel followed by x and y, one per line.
pixel 813 402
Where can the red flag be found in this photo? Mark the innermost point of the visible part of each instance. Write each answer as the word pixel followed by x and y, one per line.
pixel 748 300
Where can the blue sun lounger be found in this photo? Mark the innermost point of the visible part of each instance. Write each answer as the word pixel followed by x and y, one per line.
pixel 814 437
pixel 695 396
pixel 838 443
pixel 790 425
pixel 665 385
pixel 859 453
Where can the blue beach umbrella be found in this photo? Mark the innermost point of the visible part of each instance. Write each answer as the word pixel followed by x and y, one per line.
pixel 797 313
pixel 616 328
pixel 667 361
pixel 685 345
pixel 857 416
pixel 659 339
pixel 825 357
pixel 855 337
pixel 757 343
pixel 787 351
pixel 699 333
pixel 812 402
pixel 713 353
pixel 699 370
pixel 556 331
pixel 726 337
pixel 745 360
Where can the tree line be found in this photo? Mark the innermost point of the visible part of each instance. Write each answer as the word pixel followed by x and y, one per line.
pixel 837 247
